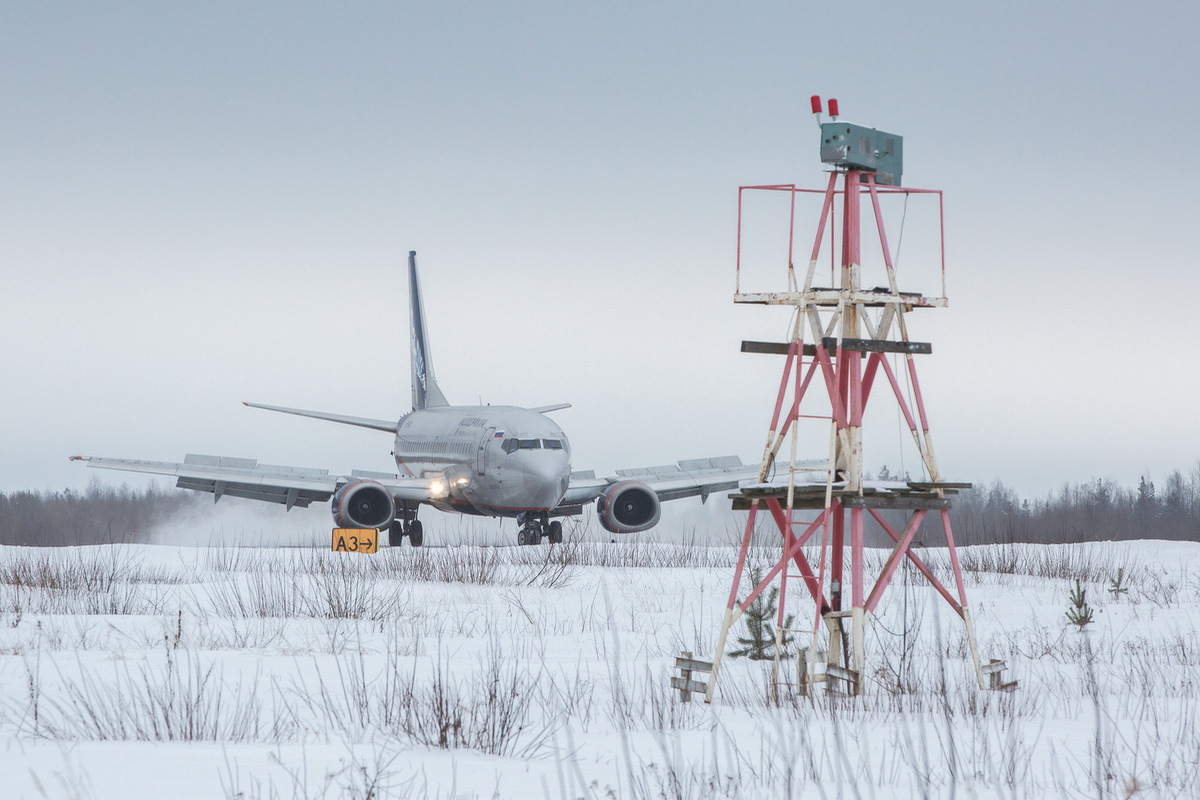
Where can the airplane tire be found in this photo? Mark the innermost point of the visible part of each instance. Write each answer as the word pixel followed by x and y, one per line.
pixel 395 533
pixel 555 533
pixel 415 534
pixel 522 539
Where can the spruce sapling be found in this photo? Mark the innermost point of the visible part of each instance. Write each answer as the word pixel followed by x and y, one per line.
pixel 1080 613
pixel 760 644
pixel 1117 586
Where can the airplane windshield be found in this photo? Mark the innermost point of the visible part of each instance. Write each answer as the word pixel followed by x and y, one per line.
pixel 511 446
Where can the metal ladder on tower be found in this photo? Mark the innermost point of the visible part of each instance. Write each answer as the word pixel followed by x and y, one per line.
pixel 810 657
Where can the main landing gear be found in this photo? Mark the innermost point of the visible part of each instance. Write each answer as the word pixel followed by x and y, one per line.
pixel 534 527
pixel 406 524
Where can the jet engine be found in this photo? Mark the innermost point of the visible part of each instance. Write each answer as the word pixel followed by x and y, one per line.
pixel 363 504
pixel 628 507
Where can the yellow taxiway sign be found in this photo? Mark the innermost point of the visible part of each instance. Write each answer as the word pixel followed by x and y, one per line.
pixel 355 540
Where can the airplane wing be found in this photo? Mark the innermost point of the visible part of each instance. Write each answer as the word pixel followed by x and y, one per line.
pixel 244 477
pixel 697 477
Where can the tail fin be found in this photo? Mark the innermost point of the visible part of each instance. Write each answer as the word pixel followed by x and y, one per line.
pixel 425 391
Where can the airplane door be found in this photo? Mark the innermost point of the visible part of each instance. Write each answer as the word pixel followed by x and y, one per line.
pixel 483 449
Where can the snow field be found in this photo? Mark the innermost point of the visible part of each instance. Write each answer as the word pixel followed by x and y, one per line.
pixel 543 672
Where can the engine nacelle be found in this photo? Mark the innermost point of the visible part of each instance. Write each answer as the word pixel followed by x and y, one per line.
pixel 628 507
pixel 363 504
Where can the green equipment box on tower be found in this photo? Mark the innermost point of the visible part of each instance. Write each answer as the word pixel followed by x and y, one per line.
pixel 845 144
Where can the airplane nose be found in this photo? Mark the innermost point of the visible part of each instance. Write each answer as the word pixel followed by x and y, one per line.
pixel 546 479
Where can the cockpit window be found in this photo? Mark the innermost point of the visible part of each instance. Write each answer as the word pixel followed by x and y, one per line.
pixel 511 446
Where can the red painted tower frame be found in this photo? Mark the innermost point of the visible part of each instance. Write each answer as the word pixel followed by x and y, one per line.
pixel 843 337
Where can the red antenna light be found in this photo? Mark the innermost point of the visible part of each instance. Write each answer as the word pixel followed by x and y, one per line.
pixel 833 109
pixel 816 103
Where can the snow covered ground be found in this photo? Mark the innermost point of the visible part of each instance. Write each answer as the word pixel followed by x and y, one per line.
pixel 138 671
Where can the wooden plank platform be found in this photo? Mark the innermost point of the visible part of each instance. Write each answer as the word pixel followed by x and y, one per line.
pixel 811 497
pixel 740 503
pixel 832 298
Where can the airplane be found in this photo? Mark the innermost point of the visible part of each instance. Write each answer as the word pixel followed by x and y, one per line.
pixel 493 461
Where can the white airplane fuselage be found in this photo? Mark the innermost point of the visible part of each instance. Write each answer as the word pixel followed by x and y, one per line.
pixel 495 460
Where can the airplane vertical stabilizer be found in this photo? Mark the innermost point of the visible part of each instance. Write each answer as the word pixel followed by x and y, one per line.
pixel 425 391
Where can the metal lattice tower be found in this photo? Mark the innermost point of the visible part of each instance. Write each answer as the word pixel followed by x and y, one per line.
pixel 841 337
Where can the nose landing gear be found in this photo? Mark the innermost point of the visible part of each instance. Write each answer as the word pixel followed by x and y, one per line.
pixel 535 526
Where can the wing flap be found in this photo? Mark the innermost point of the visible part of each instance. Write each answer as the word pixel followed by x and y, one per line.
pixel 697 477
pixel 693 489
pixel 701 464
pixel 281 495
pixel 700 477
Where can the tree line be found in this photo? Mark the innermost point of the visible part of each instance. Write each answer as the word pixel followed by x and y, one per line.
pixel 1097 510
pixel 100 514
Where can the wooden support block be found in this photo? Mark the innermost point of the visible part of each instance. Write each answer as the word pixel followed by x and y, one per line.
pixel 841 681
pixel 684 662
pixel 684 683
pixel 688 685
pixel 843 614
pixel 994 669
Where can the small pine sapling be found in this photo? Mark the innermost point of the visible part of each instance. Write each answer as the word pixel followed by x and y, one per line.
pixel 760 644
pixel 1117 586
pixel 1080 613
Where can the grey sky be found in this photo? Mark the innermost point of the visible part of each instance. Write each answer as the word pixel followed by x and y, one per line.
pixel 207 203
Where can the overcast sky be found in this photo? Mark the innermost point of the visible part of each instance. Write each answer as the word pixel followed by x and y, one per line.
pixel 207 203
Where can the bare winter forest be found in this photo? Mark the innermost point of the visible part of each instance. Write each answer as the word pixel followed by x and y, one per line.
pixel 100 515
pixel 1096 511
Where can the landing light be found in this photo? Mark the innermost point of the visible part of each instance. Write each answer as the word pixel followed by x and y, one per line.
pixel 438 488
